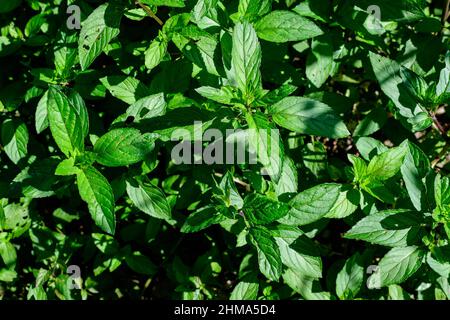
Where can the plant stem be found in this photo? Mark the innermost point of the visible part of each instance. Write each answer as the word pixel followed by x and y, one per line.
pixel 438 125
pixel 150 12
pixel 446 13
pixel 440 155
pixel 236 180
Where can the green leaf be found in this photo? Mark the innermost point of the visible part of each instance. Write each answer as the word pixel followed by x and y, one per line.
pixel 346 203
pixel 127 89
pixel 16 219
pixel 315 9
pixel 246 60
pixel 288 182
pixel 8 254
pixel 7 275
pixel 359 167
pixel 308 116
pixel 148 107
pixel 179 23
pixel 225 95
pixel 315 158
pixel 65 122
pixel 269 259
pixel 313 204
pixel 34 25
pixel 205 14
pixel 396 266
pixel 369 147
pixel 2 217
pixel 300 255
pixel 245 291
pixel 97 31
pixel 379 190
pixel 77 102
pixel 389 75
pixel 96 191
pixel 15 139
pixel 351 277
pixel 387 164
pixel 439 260
pixel 141 264
pixel 259 209
pixel 9 5
pixel 202 218
pixel 284 26
pixel 41 118
pixel 320 63
pixel 264 141
pixel 308 288
pixel 123 147
pixel 443 85
pixel 397 293
pixel 165 3
pixel 65 53
pixel 392 228
pixel 371 123
pixel 149 199
pixel 442 194
pixel 415 167
pixel 228 193
pixel 252 9
pixel 67 168
pixel 278 94
pixel 411 10
pixel 155 53
pixel 105 243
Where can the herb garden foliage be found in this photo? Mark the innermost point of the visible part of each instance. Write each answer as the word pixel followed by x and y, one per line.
pixel 356 204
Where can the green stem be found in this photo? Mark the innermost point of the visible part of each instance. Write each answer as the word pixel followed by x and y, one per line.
pixel 150 12
pixel 446 12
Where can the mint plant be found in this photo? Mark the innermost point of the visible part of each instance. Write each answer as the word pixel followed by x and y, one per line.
pixel 207 149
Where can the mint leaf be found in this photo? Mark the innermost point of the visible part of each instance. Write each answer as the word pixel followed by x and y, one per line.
pixel 389 75
pixel 320 63
pixel 386 164
pixel 264 141
pixel 155 53
pixel 308 116
pixel 392 228
pixel 122 147
pixel 96 191
pixel 396 266
pixel 284 26
pixel 100 27
pixel 312 204
pixel 259 209
pixel 15 139
pixel 149 199
pixel 127 89
pixel 65 122
pixel 148 107
pixel 300 255
pixel 269 259
pixel 41 117
pixel 415 167
pixel 350 279
pixel 246 60
pixel 245 291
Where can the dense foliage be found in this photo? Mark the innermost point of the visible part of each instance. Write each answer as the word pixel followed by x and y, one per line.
pixel 348 199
